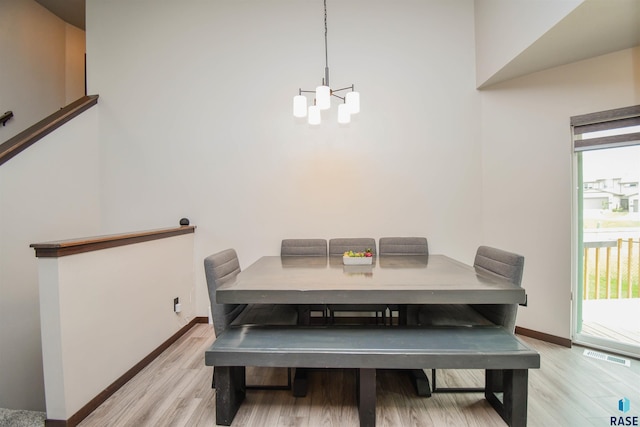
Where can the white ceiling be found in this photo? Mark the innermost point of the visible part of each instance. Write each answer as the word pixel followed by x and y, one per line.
pixel 594 28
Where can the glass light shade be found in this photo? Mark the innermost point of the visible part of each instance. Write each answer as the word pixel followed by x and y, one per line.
pixel 323 97
pixel 352 99
pixel 314 115
pixel 300 106
pixel 344 113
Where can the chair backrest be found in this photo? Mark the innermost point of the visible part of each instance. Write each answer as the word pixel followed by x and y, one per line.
pixel 356 244
pixel 403 246
pixel 303 247
pixel 219 269
pixel 503 264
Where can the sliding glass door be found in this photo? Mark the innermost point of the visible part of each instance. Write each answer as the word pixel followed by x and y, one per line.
pixel 607 299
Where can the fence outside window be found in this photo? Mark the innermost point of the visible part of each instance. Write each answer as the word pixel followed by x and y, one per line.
pixel 611 269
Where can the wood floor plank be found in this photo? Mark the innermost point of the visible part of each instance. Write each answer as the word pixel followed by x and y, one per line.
pixel 175 390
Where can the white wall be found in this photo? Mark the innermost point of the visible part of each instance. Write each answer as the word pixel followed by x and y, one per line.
pixel 48 192
pixel 74 63
pixel 527 171
pixel 104 311
pixel 195 101
pixel 32 70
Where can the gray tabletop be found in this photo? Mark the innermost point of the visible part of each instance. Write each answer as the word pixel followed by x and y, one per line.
pixel 433 279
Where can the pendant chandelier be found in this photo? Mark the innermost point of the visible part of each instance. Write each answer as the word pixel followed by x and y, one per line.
pixel 323 93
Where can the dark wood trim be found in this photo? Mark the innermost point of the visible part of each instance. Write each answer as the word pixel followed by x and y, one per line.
pixel 115 386
pixel 76 246
pixel 29 136
pixel 565 342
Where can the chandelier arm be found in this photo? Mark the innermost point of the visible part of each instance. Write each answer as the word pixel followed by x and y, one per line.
pixel 338 96
pixel 344 88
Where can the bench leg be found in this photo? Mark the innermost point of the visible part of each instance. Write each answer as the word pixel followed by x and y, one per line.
pixel 514 384
pixel 230 392
pixel 366 395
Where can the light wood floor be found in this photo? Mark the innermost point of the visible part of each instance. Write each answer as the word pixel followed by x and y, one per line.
pixel 175 390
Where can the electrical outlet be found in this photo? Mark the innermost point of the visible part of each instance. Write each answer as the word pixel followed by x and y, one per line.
pixel 176 305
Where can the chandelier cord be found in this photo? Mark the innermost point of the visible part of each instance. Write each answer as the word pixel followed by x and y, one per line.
pixel 326 53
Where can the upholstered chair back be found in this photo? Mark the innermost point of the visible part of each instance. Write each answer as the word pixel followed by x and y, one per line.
pixel 303 247
pixel 219 269
pixel 403 246
pixel 360 244
pixel 504 264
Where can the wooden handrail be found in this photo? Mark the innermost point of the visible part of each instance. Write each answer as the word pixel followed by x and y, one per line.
pixel 29 136
pixel 88 244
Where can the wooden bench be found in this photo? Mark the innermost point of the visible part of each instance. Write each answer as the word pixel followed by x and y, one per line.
pixel 504 357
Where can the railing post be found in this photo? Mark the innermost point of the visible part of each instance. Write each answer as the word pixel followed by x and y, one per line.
pixel 629 257
pixel 585 275
pixel 597 285
pixel 619 272
pixel 607 272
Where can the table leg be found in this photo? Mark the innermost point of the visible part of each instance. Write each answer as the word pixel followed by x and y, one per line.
pixel 366 395
pixel 304 315
pixel 402 314
pixel 300 382
pixel 230 392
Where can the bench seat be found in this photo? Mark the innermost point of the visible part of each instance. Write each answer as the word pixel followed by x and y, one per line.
pixel 492 348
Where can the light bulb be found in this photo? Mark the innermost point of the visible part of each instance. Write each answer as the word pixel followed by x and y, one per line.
pixel 344 114
pixel 300 106
pixel 314 115
pixel 352 99
pixel 323 97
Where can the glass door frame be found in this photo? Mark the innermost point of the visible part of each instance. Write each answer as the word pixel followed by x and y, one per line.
pixel 577 336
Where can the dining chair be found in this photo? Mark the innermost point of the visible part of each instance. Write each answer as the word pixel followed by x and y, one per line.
pixel 306 247
pixel 488 261
pixel 303 247
pixel 337 247
pixel 399 246
pixel 356 244
pixel 403 246
pixel 223 267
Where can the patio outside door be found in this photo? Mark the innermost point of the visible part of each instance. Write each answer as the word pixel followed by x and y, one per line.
pixel 607 298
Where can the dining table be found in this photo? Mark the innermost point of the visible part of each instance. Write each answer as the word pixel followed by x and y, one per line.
pixel 402 281
pixel 397 280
